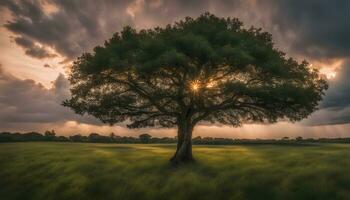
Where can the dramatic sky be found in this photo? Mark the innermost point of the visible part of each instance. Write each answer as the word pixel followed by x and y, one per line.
pixel 40 38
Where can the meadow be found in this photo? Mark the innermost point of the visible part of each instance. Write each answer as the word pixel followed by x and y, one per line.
pixel 52 170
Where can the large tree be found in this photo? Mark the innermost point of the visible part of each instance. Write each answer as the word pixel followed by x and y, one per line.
pixel 203 70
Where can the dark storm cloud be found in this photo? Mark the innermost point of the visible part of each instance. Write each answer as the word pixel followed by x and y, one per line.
pixel 71 28
pixel 335 107
pixel 76 26
pixel 32 49
pixel 321 27
pixel 320 31
pixel 25 101
pixel 338 95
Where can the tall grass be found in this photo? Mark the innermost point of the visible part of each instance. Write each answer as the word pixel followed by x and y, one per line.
pixel 135 171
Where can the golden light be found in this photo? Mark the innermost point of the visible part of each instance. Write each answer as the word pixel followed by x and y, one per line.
pixel 195 85
pixel 328 72
pixel 328 68
pixel 211 84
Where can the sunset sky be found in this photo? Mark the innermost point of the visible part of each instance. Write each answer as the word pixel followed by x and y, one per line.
pixel 39 39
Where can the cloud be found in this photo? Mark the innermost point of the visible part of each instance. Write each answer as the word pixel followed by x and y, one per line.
pixel 338 95
pixel 335 107
pixel 28 106
pixel 135 7
pixel 25 101
pixel 72 27
pixel 321 27
pixel 47 65
pixel 68 27
pixel 32 49
pixel 317 28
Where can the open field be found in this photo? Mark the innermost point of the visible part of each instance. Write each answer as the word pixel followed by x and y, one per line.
pixel 135 171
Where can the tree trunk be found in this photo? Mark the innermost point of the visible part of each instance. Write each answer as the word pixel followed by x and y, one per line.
pixel 183 152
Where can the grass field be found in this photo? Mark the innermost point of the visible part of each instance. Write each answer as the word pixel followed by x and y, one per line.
pixel 135 171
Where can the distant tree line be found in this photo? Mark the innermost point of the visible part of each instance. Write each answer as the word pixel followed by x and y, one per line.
pixel 92 137
pixel 146 138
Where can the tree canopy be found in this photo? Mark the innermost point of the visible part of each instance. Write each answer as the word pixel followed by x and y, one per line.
pixel 207 69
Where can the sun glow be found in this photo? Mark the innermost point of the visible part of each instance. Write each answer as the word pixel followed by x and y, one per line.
pixel 328 72
pixel 328 68
pixel 195 85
